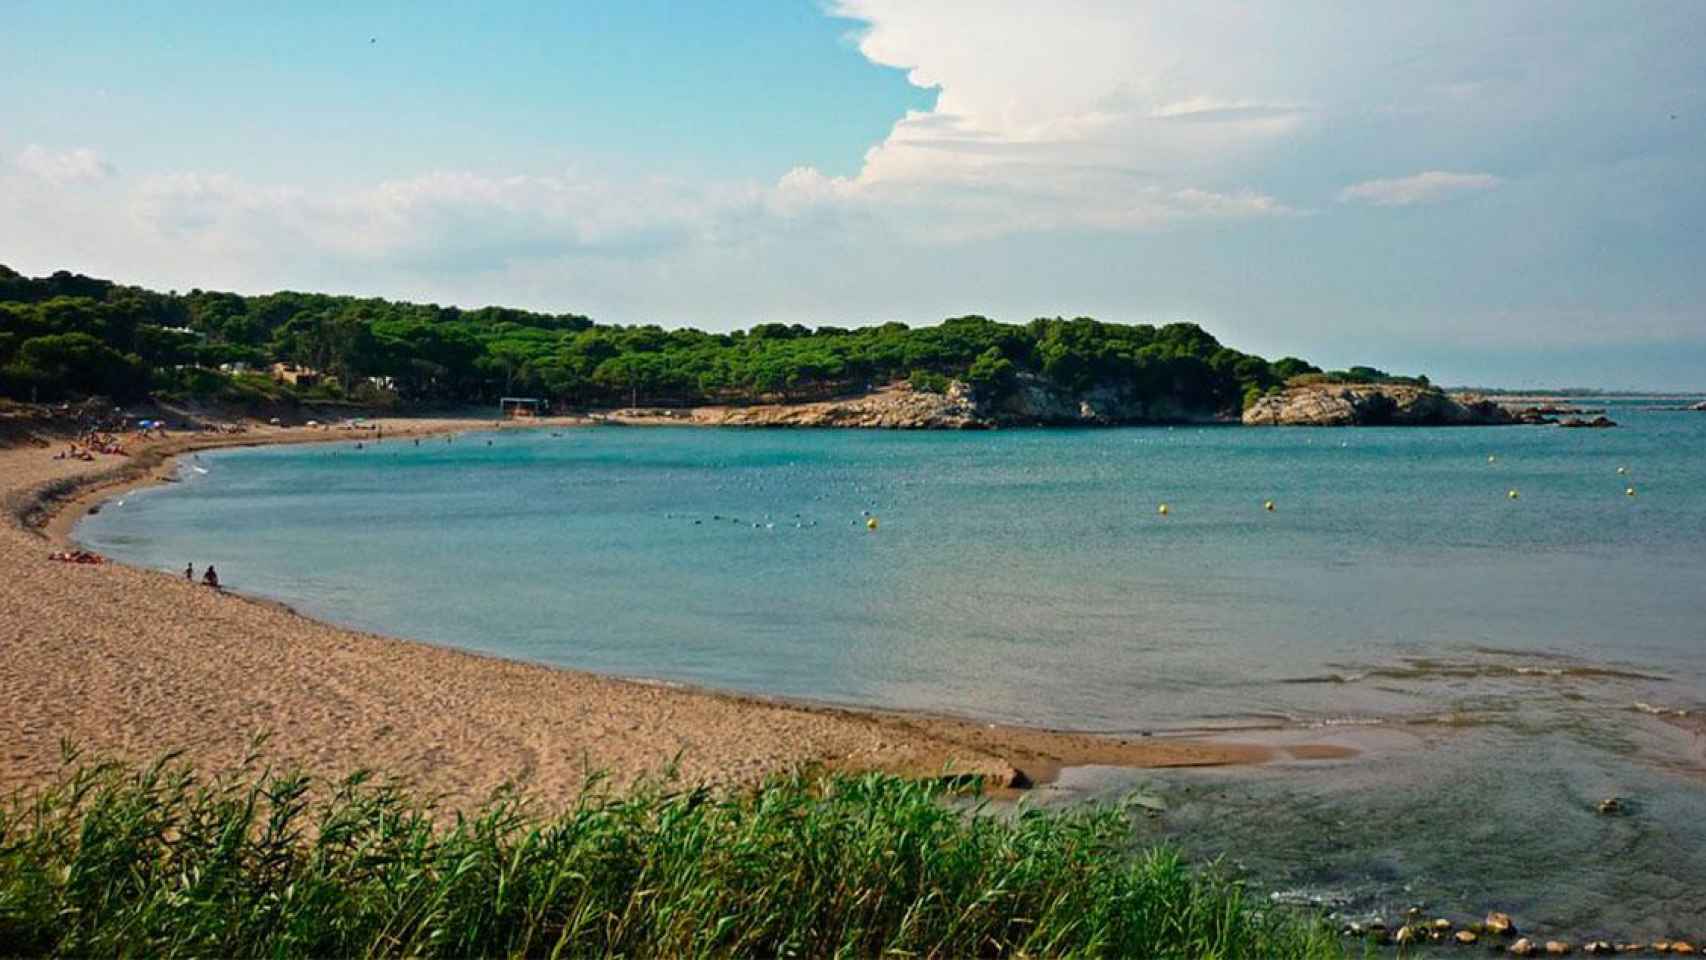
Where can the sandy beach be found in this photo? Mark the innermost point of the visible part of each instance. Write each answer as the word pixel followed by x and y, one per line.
pixel 135 663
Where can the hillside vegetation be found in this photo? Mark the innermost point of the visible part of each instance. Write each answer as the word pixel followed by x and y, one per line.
pixel 67 335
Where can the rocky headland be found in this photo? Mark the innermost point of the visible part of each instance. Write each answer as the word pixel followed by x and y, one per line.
pixel 1031 401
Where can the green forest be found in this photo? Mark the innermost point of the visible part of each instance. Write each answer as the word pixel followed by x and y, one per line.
pixel 68 336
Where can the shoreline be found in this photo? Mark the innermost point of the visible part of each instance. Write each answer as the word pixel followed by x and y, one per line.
pixel 454 721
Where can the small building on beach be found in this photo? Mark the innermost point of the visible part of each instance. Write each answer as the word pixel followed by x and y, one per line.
pixel 516 407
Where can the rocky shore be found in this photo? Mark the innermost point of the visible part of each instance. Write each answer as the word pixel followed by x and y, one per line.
pixel 1499 934
pixel 1033 401
pixel 1357 405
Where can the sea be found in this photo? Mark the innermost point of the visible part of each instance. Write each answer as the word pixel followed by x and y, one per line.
pixel 1507 624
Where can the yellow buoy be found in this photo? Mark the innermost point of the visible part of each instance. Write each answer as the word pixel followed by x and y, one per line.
pixel 1514 494
pixel 1162 510
pixel 1492 459
pixel 1268 505
pixel 871 524
pixel 1629 492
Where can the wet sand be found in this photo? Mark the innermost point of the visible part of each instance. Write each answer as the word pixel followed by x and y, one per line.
pixel 134 663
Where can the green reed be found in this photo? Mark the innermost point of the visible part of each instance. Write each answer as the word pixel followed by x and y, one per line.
pixel 114 859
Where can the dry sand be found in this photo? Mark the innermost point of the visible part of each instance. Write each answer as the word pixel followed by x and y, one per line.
pixel 135 662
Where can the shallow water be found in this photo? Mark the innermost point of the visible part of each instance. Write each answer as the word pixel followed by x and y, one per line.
pixel 1518 656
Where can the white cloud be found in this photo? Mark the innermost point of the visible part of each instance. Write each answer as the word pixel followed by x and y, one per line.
pixel 1429 186
pixel 63 167
pixel 1089 117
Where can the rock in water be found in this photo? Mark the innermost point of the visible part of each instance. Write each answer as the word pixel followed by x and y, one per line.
pixel 1556 948
pixel 1599 948
pixel 1499 924
pixel 1596 422
pixel 1610 806
pixel 1682 947
pixel 1465 937
pixel 1523 947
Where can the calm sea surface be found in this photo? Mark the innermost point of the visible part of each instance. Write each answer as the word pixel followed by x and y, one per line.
pixel 1503 663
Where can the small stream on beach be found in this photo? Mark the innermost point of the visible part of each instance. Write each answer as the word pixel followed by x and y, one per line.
pixel 1501 664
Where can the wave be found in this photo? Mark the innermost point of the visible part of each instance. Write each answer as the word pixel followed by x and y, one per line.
pixel 1425 669
pixel 1657 711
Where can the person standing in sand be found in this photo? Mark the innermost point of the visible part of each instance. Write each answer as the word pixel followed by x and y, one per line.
pixel 189 571
pixel 210 577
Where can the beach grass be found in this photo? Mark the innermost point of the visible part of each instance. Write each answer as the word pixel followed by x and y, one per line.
pixel 113 859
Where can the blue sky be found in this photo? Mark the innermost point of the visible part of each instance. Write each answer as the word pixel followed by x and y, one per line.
pixel 1502 193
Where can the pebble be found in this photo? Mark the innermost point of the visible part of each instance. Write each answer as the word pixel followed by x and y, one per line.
pixel 1599 947
pixel 1557 948
pixel 1682 946
pixel 1523 947
pixel 1466 937
pixel 1499 924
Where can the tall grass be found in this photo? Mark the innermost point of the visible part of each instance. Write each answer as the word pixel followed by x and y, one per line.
pixel 114 859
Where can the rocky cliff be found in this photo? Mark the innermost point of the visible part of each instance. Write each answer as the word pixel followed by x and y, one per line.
pixel 1347 405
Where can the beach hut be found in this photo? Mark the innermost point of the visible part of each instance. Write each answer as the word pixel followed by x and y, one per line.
pixel 514 407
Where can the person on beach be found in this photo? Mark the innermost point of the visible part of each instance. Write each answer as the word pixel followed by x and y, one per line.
pixel 210 577
pixel 189 571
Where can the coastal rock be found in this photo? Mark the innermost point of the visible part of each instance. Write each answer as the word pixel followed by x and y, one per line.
pixel 896 407
pixel 1499 924
pixel 1595 423
pixel 1610 806
pixel 1682 947
pixel 1523 947
pixel 1358 405
pixel 1557 948
pixel 1599 948
pixel 1465 937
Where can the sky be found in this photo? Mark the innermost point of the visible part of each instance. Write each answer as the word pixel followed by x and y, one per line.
pixel 1507 193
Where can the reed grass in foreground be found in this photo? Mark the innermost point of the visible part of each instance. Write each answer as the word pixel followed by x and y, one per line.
pixel 156 861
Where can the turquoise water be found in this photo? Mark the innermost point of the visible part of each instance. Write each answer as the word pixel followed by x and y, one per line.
pixel 1475 646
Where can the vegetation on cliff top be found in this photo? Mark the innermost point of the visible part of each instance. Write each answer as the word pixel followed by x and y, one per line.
pixel 114 860
pixel 68 335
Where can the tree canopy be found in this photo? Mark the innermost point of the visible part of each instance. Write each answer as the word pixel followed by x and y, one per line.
pixel 65 335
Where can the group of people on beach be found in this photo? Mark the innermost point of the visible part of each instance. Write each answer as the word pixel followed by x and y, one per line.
pixel 88 444
pixel 77 556
pixel 209 577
